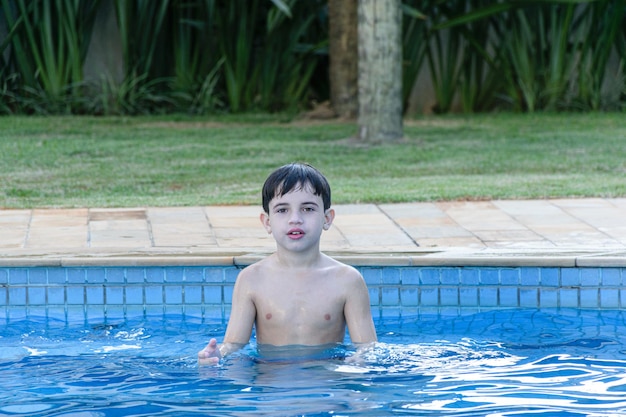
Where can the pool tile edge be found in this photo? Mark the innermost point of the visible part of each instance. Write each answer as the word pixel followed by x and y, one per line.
pixel 443 258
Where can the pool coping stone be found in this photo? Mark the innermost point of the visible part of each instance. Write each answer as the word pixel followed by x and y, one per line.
pixel 589 232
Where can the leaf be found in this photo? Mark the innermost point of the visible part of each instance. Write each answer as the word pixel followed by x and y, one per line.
pixel 413 12
pixel 280 4
pixel 476 15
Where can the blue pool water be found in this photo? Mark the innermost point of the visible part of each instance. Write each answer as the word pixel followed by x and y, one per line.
pixel 505 362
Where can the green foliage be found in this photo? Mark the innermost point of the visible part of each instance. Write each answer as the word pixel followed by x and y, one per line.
pixel 141 24
pixel 197 56
pixel 540 63
pixel 269 57
pixel 133 96
pixel 536 54
pixel 204 56
pixel 413 48
pixel 49 42
pixel 601 32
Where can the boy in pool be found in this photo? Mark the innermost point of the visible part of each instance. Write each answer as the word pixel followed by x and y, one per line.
pixel 297 295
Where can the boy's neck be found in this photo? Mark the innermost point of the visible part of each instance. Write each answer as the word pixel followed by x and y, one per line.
pixel 293 260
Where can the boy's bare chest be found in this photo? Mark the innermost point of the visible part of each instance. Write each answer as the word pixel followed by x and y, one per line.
pixel 300 304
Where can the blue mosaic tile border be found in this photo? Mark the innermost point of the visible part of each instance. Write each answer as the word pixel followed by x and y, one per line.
pixel 452 289
pixel 111 293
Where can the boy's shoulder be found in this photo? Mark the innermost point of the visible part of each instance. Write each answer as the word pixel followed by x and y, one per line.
pixel 328 264
pixel 343 273
pixel 258 269
pixel 341 266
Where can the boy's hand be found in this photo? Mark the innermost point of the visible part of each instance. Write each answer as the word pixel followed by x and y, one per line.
pixel 210 355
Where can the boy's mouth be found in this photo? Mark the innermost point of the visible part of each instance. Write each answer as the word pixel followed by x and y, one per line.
pixel 295 233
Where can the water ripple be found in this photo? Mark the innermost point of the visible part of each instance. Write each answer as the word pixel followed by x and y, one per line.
pixel 149 369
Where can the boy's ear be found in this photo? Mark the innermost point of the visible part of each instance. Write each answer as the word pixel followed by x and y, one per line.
pixel 329 216
pixel 265 221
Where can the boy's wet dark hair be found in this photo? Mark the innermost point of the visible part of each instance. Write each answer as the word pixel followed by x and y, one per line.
pixel 292 177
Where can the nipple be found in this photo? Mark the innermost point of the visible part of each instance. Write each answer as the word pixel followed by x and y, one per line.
pixel 268 316
pixel 326 317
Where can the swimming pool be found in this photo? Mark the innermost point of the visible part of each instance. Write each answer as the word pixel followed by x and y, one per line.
pixel 500 363
pixel 454 341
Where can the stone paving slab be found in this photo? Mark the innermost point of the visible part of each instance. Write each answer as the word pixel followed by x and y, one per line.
pixel 559 232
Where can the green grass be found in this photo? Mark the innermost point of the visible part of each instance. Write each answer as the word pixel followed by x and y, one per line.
pixel 176 160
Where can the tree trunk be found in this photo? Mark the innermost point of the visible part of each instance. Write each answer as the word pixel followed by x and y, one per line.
pixel 343 55
pixel 380 71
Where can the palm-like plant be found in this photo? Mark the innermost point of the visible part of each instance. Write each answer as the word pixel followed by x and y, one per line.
pixel 199 55
pixel 538 49
pixel 48 46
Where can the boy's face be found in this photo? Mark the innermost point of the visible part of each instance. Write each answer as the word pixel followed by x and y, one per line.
pixel 296 219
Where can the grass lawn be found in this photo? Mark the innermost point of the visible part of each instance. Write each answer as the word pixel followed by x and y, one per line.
pixel 179 160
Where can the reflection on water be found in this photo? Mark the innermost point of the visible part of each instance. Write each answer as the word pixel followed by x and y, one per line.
pixel 529 364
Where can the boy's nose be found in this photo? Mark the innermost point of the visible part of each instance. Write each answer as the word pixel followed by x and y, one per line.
pixel 295 218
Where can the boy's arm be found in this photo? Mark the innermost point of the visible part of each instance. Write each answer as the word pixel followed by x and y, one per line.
pixel 239 329
pixel 358 313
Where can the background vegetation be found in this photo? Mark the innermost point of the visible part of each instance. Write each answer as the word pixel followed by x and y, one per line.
pixel 181 160
pixel 208 56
